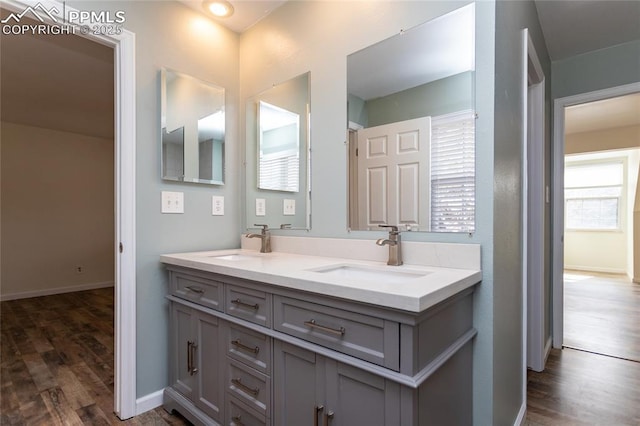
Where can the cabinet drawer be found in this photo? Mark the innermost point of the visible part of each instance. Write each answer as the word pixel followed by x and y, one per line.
pixel 248 304
pixel 369 338
pixel 238 415
pixel 197 289
pixel 249 386
pixel 249 347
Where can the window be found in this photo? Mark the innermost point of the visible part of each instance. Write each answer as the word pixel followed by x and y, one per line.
pixel 453 172
pixel 593 196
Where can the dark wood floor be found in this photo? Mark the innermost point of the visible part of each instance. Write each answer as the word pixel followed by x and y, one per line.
pixel 597 380
pixel 56 362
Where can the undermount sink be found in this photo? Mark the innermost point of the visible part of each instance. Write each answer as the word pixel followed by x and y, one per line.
pixel 373 273
pixel 236 256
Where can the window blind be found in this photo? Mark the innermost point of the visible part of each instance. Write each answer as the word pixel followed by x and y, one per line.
pixel 453 172
pixel 280 172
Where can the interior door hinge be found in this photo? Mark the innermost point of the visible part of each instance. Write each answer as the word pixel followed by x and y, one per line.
pixel 121 248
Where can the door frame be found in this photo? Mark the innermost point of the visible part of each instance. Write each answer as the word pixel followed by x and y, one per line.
pixel 558 194
pixel 533 200
pixel 124 249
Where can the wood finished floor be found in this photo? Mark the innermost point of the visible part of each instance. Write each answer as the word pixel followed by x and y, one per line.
pixel 56 362
pixel 592 385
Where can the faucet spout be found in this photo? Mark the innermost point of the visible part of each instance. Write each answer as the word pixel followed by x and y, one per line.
pixel 265 236
pixel 395 248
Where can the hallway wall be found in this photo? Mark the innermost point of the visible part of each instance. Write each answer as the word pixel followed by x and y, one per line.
pixel 57 211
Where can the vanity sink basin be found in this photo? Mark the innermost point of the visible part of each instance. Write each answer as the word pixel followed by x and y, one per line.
pixel 381 274
pixel 235 256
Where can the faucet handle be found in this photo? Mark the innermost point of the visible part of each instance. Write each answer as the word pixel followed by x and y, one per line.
pixel 394 228
pixel 264 227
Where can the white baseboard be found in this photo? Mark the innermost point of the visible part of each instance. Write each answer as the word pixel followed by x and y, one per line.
pixel 592 269
pixel 57 290
pixel 149 402
pixel 522 415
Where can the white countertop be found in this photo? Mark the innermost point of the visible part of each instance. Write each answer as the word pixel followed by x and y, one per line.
pixel 414 293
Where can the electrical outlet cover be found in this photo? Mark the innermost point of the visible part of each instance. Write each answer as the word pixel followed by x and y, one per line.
pixel 217 205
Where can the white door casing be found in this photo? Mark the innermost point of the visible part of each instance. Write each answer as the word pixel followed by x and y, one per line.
pixel 559 106
pixel 124 251
pixel 393 170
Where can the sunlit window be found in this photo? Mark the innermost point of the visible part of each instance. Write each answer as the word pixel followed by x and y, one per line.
pixel 593 196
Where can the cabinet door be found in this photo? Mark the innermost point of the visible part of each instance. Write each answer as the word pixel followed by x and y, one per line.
pixel 210 354
pixel 182 340
pixel 356 397
pixel 299 385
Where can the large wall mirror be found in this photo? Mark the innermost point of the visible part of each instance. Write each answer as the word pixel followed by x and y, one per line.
pixel 193 129
pixel 278 156
pixel 411 129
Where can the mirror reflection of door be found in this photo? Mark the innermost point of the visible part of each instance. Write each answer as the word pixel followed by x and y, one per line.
pixel 393 174
pixel 279 148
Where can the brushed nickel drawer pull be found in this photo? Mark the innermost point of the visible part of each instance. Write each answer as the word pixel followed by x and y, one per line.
pixel 246 305
pixel 237 420
pixel 195 289
pixel 238 383
pixel 190 357
pixel 328 417
pixel 312 323
pixel 239 345
pixel 317 410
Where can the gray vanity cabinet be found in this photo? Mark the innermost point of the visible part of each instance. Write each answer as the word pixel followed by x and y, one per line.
pixel 254 354
pixel 197 370
pixel 310 389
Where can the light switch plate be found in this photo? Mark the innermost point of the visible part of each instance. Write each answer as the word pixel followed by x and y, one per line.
pixel 172 202
pixel 217 205
pixel 288 207
pixel 261 207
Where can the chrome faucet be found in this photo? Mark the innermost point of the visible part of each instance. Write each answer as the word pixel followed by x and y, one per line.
pixel 265 236
pixel 395 249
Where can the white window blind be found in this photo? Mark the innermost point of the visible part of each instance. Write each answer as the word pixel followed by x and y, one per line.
pixel 593 195
pixel 453 172
pixel 280 171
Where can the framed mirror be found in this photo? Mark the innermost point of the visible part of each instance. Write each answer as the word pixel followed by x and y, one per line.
pixel 278 156
pixel 411 126
pixel 193 129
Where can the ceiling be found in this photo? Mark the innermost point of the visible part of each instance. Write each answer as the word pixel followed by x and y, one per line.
pixel 246 12
pixel 65 82
pixel 621 111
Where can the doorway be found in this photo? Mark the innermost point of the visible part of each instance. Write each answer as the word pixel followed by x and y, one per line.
pixel 564 144
pixel 123 45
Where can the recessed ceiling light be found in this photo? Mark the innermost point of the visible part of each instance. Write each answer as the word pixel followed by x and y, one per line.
pixel 219 8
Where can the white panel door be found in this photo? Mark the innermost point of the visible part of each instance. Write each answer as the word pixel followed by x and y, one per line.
pixel 393 173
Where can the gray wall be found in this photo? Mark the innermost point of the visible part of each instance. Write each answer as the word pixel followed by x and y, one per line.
pixel 511 18
pixel 439 97
pixel 169 34
pixel 305 45
pixel 596 70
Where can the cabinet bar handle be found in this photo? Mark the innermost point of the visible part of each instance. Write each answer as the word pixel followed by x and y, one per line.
pixel 317 410
pixel 328 417
pixel 238 383
pixel 239 345
pixel 195 289
pixel 339 331
pixel 189 343
pixel 246 305
pixel 237 420
pixel 193 370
